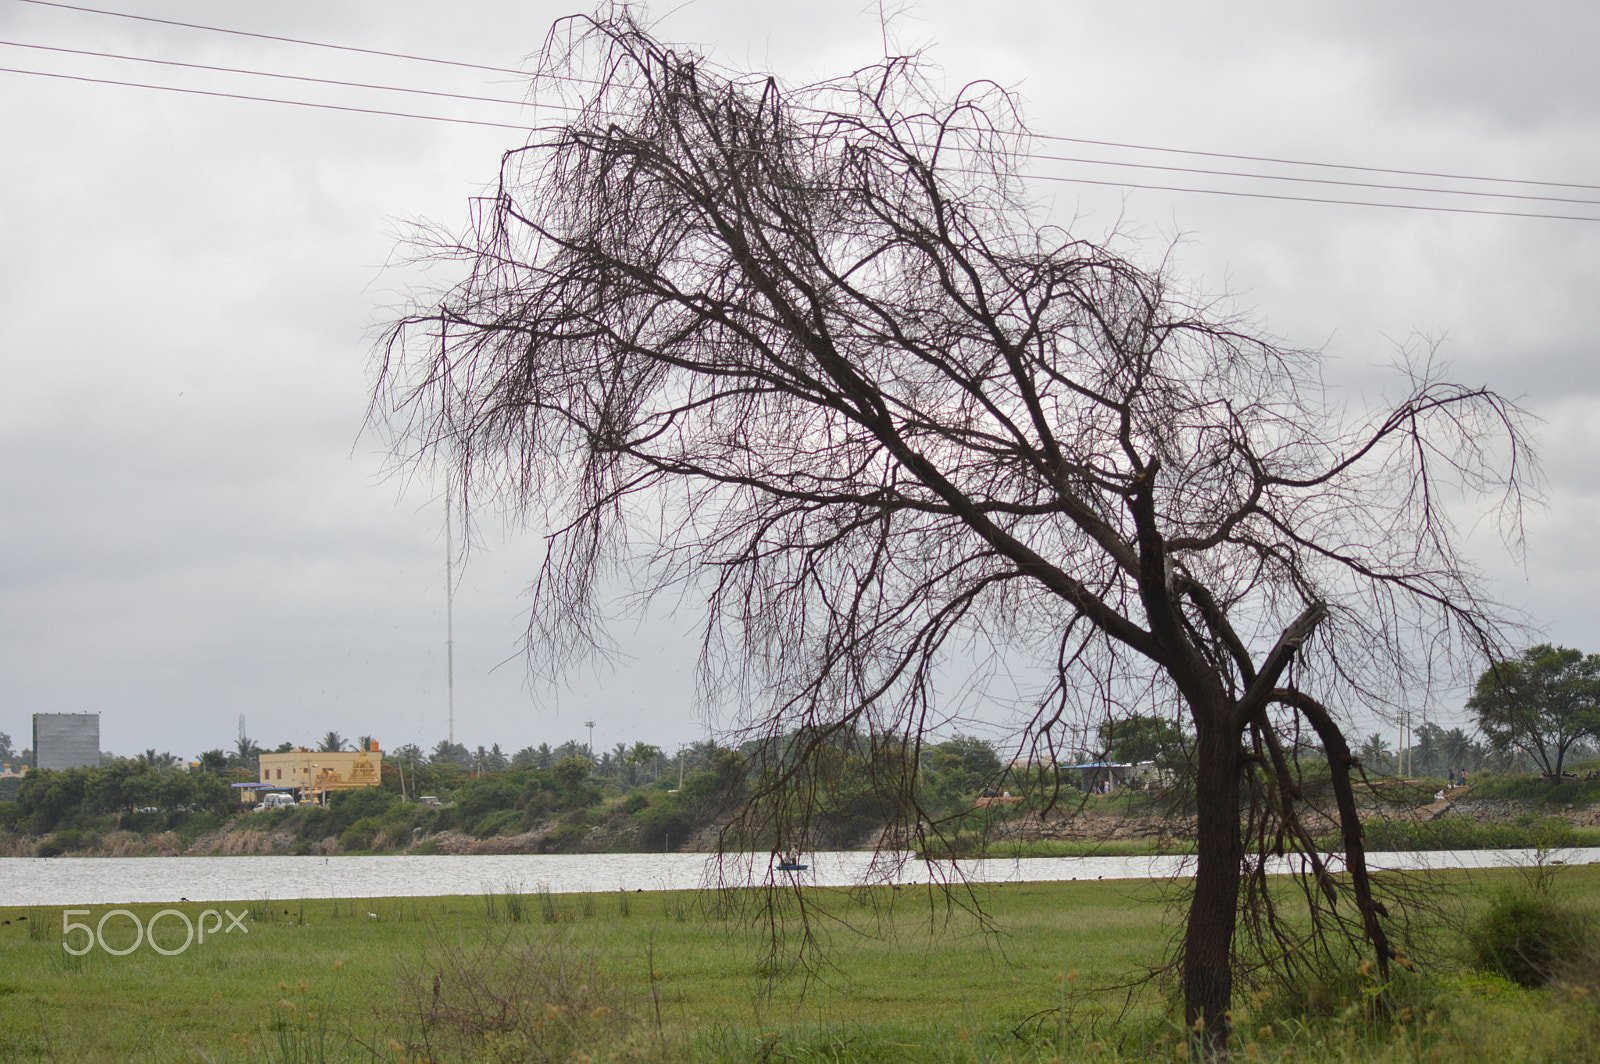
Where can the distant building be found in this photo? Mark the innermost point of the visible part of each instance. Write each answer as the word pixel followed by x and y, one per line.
pixel 66 740
pixel 313 773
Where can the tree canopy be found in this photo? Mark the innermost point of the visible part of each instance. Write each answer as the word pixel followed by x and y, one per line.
pixel 1140 737
pixel 809 354
pixel 1541 703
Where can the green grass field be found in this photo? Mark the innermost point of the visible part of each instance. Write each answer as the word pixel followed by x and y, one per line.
pixel 905 975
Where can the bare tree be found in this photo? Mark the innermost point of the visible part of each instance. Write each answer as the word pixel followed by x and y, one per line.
pixel 808 353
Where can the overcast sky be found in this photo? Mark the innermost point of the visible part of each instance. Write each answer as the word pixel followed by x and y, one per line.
pixel 193 525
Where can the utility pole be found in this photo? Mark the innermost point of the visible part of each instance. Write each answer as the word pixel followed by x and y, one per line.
pixel 449 613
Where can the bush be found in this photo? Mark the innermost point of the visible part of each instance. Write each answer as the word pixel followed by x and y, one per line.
pixel 500 822
pixel 67 841
pixel 359 836
pixel 528 999
pixel 1529 938
pixel 664 823
pixel 1535 788
pixel 564 839
pixel 352 805
pixel 1465 833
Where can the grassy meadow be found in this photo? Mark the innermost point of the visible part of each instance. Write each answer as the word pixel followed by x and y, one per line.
pixel 905 975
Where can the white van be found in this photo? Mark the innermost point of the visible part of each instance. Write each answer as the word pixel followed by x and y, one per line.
pixel 275 801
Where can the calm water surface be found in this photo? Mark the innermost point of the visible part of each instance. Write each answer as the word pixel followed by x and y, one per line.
pixel 103 880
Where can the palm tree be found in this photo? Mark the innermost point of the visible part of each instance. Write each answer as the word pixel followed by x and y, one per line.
pixel 643 754
pixel 1375 754
pixel 332 743
pixel 1460 751
pixel 1427 751
pixel 213 761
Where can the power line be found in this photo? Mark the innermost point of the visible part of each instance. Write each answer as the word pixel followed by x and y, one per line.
pixel 1303 162
pixel 263 73
pixel 263 99
pixel 1041 177
pixel 1014 154
pixel 1021 155
pixel 271 37
pixel 1322 199
pixel 1324 180
pixel 1041 136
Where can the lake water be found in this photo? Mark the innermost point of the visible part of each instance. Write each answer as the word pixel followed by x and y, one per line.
pixel 105 880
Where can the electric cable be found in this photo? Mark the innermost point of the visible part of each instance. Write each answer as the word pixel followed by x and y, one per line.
pixel 1241 157
pixel 266 99
pixel 1042 177
pixel 272 37
pixel 262 73
pixel 1011 153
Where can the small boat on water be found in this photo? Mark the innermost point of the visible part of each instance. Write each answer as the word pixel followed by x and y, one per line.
pixel 791 866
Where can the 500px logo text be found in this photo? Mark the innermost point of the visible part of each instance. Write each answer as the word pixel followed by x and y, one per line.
pixel 194 930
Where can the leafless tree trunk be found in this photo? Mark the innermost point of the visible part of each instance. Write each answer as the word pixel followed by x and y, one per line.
pixel 807 353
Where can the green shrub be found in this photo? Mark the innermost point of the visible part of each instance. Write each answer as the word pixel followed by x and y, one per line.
pixel 352 805
pixel 1464 833
pixel 67 841
pixel 1529 938
pixel 664 824
pixel 500 822
pixel 358 836
pixel 191 825
pixel 1535 788
pixel 564 839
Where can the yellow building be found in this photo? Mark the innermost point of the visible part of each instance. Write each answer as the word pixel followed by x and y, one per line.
pixel 316 772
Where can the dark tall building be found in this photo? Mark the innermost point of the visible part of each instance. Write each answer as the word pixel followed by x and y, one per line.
pixel 66 740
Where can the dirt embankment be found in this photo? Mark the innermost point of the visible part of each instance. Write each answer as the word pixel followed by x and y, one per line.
pixel 619 835
pixel 1079 825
